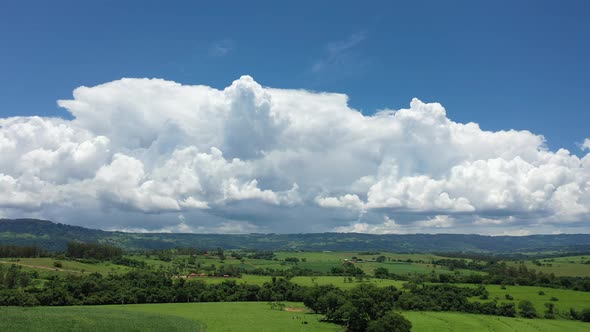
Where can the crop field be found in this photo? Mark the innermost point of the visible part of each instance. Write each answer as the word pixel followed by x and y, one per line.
pixel 90 319
pixel 451 321
pixel 566 298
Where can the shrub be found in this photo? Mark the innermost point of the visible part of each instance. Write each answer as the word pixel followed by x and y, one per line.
pixel 527 310
pixel 390 322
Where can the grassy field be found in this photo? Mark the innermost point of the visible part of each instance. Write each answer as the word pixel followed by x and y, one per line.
pixel 45 266
pixel 560 266
pixel 91 319
pixel 242 316
pixel 341 282
pixel 450 321
pixel 239 316
pixel 323 262
pixel 566 298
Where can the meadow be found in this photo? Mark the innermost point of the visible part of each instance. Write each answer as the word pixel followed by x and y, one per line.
pixel 245 316
pixel 566 298
pixel 453 321
pixel 575 266
pixel 239 316
pixel 91 319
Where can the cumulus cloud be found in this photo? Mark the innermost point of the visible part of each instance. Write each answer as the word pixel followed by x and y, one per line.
pixel 251 158
pixel 586 144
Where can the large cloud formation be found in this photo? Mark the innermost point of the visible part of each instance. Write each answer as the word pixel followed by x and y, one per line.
pixel 155 155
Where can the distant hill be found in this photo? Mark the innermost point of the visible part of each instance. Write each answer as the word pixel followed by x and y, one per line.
pixel 53 236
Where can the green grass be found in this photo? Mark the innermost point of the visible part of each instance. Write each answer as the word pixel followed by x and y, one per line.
pixel 567 298
pixel 49 319
pixel 560 266
pixel 45 264
pixel 238 316
pixel 451 321
pixel 341 282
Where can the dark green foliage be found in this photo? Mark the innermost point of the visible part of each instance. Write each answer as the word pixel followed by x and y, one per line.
pixel 93 251
pixel 381 273
pixel 51 236
pixel 347 269
pixel 21 251
pixel 549 311
pixel 390 322
pixel 526 309
pixel 354 308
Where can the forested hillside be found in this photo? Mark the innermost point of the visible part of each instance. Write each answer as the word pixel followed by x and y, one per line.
pixel 53 236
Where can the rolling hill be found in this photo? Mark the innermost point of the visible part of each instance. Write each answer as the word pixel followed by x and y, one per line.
pixel 54 236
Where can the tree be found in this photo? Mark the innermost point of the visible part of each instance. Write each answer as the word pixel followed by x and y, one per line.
pixel 381 273
pixel 550 311
pixel 390 322
pixel 527 310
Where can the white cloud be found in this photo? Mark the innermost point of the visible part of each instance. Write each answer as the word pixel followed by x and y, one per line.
pixel 388 226
pixel 259 156
pixel 440 221
pixel 586 144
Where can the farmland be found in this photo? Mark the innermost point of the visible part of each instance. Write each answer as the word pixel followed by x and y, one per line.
pixel 245 317
pixel 452 321
pixel 576 266
pixel 91 319
pixel 200 287
pixel 241 316
pixel 566 299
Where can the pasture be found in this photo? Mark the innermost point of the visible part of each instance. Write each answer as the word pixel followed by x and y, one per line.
pixel 239 316
pixel 566 298
pixel 453 321
pixel 46 264
pixel 60 319
pixel 575 266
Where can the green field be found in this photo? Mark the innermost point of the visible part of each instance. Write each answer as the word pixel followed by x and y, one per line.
pixel 560 266
pixel 341 282
pixel 45 264
pixel 90 319
pixel 451 321
pixel 566 298
pixel 322 262
pixel 238 316
pixel 244 316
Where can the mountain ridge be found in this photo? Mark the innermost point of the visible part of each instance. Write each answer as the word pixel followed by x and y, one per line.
pixel 54 236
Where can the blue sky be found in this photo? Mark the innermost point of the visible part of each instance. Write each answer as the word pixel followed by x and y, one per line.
pixel 260 136
pixel 502 64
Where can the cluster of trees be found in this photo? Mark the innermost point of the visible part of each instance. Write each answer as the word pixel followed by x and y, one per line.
pixel 13 276
pixel 138 286
pixel 93 251
pixel 22 252
pixel 363 308
pixel 347 269
pixel 498 273
pixel 452 298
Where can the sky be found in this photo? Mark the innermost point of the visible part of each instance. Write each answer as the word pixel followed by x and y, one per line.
pixel 185 116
